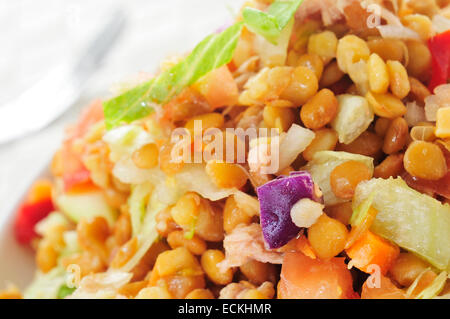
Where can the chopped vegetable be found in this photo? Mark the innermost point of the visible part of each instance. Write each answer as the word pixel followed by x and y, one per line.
pixel 36 207
pixel 64 291
pixel 371 249
pixel 124 140
pixel 213 52
pixel 271 24
pixel 273 55
pixel 353 118
pixel 324 162
pixel 361 220
pixel 28 216
pixel 386 290
pixel 53 221
pixel 435 288
pixel 306 278
pixel 296 141
pixel 137 203
pixel 414 221
pixel 422 281
pixel 219 88
pixel 439 46
pixel 276 199
pixel 306 212
pixel 440 98
pixel 86 205
pixel 46 286
pixel 443 122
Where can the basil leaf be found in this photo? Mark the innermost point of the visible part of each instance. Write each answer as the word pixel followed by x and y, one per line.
pixel 270 24
pixel 213 52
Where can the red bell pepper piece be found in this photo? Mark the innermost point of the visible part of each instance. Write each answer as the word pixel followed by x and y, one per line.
pixel 37 205
pixel 28 216
pixel 439 46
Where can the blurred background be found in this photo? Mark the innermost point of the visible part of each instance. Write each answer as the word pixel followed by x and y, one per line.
pixel 38 34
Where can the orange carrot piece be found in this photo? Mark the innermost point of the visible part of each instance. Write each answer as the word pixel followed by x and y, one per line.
pixel 219 88
pixel 359 230
pixel 304 246
pixel 41 190
pixel 371 249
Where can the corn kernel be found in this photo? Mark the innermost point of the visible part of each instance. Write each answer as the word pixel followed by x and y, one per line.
pixel 210 120
pixel 178 261
pixel 378 74
pixel 443 122
pixel 186 210
pixel 419 23
pixel 226 175
pixel 154 293
pixel 312 62
pixel 146 157
pixel 398 79
pixel 351 49
pixel 323 44
pixel 278 117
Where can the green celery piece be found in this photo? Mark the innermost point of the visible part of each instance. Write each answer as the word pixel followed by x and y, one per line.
pixel 435 288
pixel 284 10
pixel 65 291
pixel 270 24
pixel 261 23
pixel 412 220
pixel 213 52
pixel 137 203
pixel 361 211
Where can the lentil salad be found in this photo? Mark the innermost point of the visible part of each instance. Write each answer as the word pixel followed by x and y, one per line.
pixel 357 207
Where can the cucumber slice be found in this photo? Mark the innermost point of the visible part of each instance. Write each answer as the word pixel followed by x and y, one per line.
pixel 86 205
pixel 412 220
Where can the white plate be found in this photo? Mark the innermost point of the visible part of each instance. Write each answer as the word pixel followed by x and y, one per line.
pixel 17 264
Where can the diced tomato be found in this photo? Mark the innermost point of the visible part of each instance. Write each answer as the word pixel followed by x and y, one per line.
pixel 73 179
pixel 439 46
pixel 306 278
pixel 89 116
pixel 384 289
pixel 219 88
pixel 37 206
pixel 74 171
pixel 28 216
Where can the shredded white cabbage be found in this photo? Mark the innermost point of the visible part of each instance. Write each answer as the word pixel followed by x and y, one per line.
pixel 46 285
pixel 441 98
pixel 101 285
pixel 124 140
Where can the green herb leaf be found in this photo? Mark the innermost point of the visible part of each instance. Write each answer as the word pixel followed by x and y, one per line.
pixel 213 52
pixel 270 24
pixel 65 291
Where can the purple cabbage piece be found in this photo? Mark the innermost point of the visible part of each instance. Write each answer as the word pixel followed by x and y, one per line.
pixel 276 199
